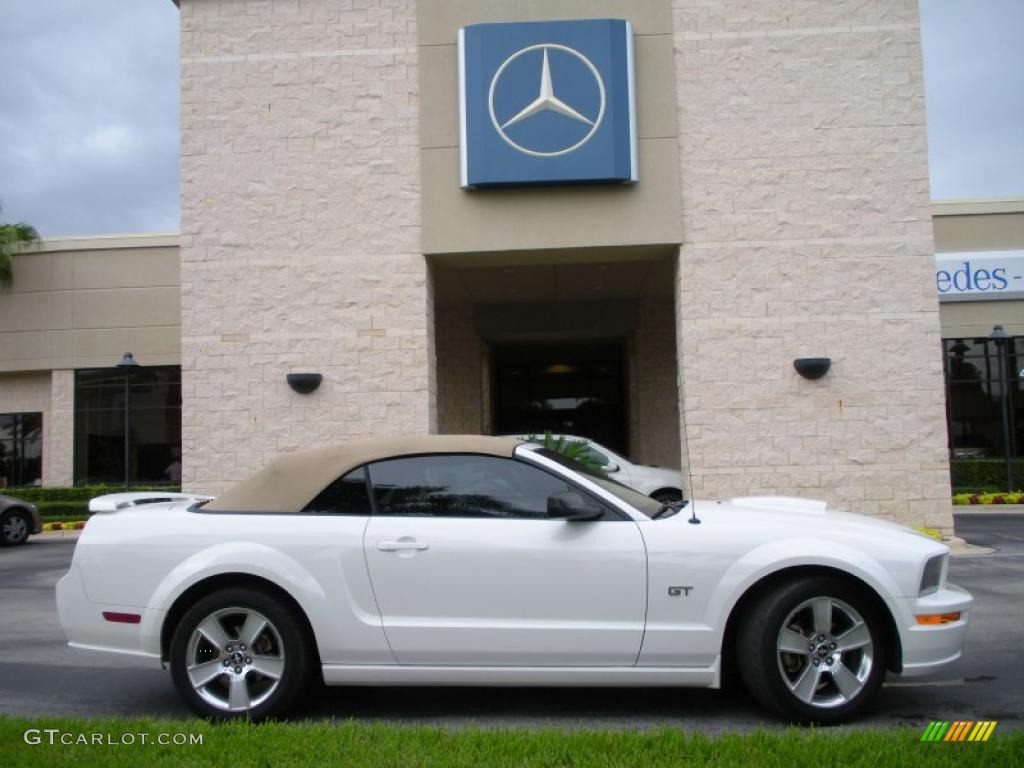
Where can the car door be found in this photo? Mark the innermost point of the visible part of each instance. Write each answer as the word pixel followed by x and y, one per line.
pixel 469 570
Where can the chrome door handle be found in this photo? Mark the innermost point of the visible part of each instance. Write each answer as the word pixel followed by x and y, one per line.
pixel 395 546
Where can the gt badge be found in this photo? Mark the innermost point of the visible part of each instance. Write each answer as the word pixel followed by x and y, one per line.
pixel 677 591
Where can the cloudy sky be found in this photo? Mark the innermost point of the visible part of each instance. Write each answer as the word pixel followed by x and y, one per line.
pixel 89 109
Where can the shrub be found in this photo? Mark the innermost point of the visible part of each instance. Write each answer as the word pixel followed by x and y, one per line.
pixel 967 499
pixel 77 493
pixel 575 450
pixel 982 475
pixel 51 509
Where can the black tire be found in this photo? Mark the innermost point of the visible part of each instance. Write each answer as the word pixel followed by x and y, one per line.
pixel 284 647
pixel 667 495
pixel 15 526
pixel 825 684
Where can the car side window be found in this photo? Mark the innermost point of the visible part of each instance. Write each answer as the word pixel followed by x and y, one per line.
pixel 347 495
pixel 462 485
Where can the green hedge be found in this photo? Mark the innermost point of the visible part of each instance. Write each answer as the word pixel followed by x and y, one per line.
pixel 984 475
pixel 78 493
pixel 51 509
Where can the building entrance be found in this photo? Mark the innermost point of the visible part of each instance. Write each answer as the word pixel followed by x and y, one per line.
pixel 585 348
pixel 566 388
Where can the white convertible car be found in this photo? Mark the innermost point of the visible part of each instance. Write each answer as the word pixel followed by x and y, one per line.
pixel 659 483
pixel 450 560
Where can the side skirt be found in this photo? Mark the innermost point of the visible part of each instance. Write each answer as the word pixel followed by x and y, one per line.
pixel 629 677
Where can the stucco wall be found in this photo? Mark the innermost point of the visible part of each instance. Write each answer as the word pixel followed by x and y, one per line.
pixel 84 302
pixel 807 231
pixel 300 240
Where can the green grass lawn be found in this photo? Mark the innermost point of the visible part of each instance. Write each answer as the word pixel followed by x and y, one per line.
pixel 351 745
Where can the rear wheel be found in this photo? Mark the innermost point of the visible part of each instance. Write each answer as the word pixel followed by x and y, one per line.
pixel 240 653
pixel 813 650
pixel 14 528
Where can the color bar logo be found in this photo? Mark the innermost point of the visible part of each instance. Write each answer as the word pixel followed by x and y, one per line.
pixel 958 730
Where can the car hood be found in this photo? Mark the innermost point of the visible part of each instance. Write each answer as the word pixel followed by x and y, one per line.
pixel 783 517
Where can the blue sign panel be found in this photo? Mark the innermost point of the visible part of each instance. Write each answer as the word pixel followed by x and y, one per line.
pixel 547 102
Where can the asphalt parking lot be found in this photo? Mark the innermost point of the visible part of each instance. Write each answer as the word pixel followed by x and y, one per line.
pixel 40 675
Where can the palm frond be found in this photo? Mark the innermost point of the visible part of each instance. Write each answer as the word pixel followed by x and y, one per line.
pixel 14 238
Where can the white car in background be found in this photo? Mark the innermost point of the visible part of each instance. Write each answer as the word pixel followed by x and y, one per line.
pixel 471 560
pixel 661 483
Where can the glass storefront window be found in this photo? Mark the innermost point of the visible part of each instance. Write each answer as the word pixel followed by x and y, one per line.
pixel 154 454
pixel 975 397
pixel 21 449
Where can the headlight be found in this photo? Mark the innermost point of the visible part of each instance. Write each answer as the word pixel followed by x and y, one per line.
pixel 932 574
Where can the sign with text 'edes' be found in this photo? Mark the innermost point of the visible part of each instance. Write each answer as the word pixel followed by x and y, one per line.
pixel 547 102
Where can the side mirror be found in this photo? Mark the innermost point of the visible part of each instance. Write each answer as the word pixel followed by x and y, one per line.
pixel 572 508
pixel 610 467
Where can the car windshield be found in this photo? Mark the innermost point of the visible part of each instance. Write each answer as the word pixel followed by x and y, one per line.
pixel 643 504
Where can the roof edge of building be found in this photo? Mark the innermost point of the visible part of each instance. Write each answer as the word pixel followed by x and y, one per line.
pixel 107 242
pixel 976 207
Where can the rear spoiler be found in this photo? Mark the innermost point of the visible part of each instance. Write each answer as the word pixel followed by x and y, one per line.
pixel 114 502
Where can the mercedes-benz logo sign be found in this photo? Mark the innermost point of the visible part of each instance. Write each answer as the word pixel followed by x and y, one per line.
pixel 546 100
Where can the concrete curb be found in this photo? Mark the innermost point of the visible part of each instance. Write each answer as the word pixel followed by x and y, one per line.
pixel 960 548
pixel 69 534
pixel 988 509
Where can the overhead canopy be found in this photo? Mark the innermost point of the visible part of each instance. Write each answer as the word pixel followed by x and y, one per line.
pixel 290 481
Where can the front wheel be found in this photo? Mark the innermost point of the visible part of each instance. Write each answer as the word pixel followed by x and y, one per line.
pixel 813 650
pixel 14 528
pixel 240 653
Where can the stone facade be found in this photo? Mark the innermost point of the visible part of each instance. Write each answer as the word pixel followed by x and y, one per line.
pixel 29 393
pixel 300 239
pixel 807 232
pixel 49 393
pixel 461 371
pixel 654 386
pixel 802 199
pixel 59 441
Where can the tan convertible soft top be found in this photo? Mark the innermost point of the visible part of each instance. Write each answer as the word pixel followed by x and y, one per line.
pixel 291 480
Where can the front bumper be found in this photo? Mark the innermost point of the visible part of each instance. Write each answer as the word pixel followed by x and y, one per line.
pixel 929 647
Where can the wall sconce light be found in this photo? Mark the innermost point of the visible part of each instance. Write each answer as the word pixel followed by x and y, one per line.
pixel 304 383
pixel 812 367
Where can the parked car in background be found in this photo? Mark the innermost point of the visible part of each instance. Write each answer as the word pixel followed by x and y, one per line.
pixel 661 483
pixel 471 560
pixel 18 520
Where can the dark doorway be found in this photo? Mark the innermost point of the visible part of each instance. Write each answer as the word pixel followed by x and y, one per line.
pixel 575 389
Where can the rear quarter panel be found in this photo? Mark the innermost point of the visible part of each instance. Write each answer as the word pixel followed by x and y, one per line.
pixel 146 558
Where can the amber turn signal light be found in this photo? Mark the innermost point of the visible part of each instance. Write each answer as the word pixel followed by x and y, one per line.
pixel 939 618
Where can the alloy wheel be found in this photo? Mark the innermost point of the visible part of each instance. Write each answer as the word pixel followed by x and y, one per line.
pixel 235 659
pixel 825 652
pixel 15 529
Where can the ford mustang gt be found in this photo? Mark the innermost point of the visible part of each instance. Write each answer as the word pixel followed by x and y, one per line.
pixel 469 560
